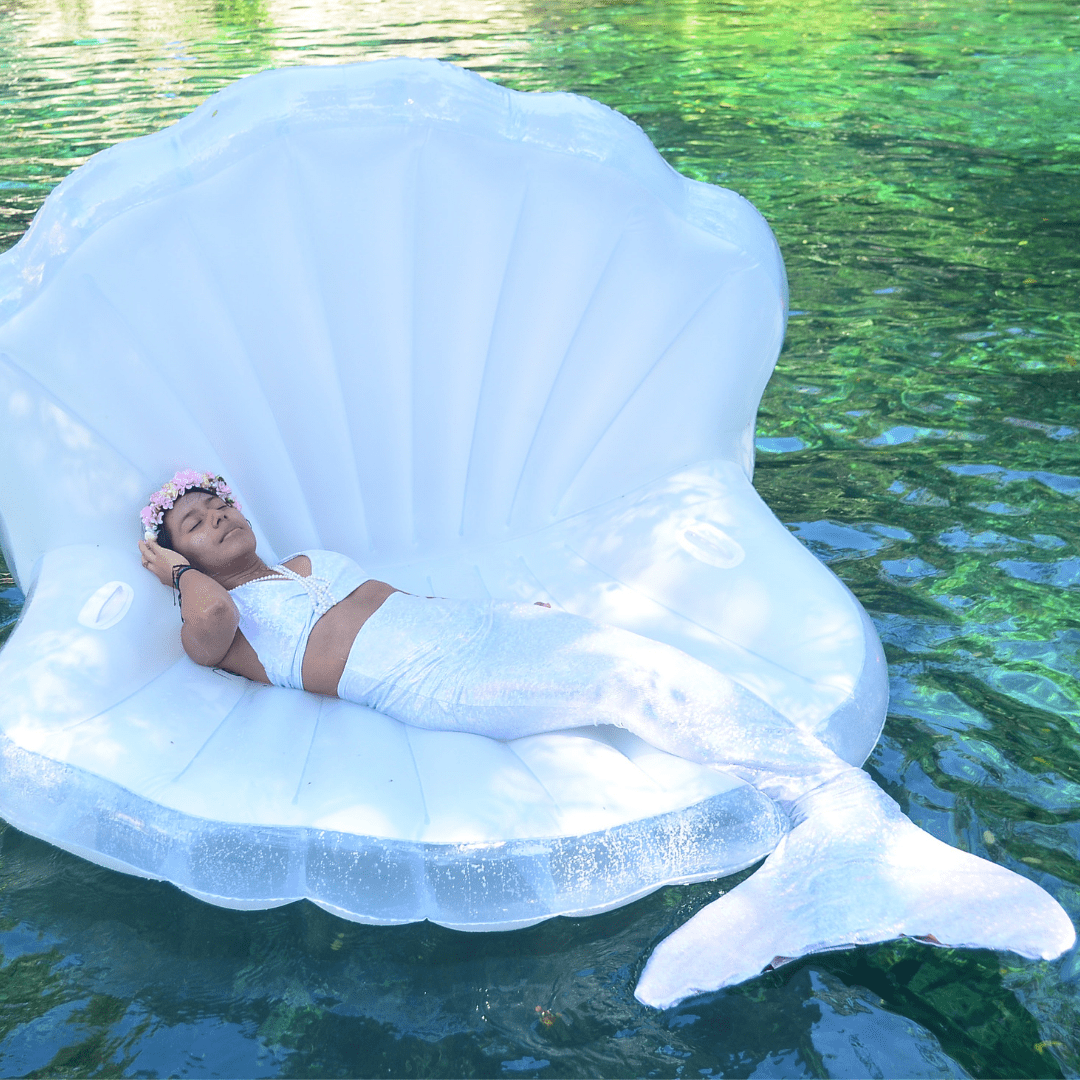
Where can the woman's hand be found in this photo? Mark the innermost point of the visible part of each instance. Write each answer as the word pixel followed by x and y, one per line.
pixel 160 561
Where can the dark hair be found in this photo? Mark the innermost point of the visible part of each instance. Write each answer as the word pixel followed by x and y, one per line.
pixel 164 537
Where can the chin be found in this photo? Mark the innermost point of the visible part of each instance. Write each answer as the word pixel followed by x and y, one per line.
pixel 240 537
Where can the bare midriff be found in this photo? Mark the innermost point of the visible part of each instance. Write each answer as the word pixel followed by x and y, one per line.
pixel 333 635
pixel 329 643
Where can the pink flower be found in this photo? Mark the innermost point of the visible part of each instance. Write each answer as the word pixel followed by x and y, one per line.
pixel 165 497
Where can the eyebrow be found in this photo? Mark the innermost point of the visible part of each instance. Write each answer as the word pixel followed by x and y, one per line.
pixel 193 509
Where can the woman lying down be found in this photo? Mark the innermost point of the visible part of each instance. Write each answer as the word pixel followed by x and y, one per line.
pixel 852 870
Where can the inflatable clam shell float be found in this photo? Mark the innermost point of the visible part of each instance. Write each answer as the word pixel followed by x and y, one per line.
pixel 487 343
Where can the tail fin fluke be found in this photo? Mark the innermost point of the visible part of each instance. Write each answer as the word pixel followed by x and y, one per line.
pixel 853 870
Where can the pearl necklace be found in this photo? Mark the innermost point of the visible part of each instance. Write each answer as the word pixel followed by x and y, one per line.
pixel 317 588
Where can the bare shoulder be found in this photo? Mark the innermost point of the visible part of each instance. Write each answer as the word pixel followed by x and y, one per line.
pixel 299 564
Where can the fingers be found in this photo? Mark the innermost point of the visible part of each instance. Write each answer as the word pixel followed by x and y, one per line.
pixel 146 550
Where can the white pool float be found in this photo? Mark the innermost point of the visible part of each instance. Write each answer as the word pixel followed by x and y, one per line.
pixel 485 342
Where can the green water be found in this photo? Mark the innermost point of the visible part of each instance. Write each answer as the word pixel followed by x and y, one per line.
pixel 920 164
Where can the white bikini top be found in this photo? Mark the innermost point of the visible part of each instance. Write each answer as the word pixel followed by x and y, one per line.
pixel 277 612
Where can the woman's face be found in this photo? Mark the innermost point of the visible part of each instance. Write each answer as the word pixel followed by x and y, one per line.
pixel 207 532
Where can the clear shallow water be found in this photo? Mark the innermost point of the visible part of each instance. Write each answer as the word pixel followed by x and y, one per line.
pixel 921 168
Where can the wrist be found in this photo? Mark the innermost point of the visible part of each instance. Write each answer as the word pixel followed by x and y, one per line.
pixel 178 572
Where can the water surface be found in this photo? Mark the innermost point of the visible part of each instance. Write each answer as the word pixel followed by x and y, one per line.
pixel 920 164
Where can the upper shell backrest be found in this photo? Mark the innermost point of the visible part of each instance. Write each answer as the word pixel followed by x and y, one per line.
pixel 401 308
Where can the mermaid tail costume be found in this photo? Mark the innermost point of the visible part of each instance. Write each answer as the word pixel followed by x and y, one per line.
pixel 852 870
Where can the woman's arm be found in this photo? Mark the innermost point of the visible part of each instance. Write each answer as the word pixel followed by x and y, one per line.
pixel 210 617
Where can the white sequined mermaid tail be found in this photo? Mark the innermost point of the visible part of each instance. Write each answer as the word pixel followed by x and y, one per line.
pixel 853 870
pixel 509 670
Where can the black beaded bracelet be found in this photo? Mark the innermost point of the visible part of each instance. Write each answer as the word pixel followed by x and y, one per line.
pixel 178 572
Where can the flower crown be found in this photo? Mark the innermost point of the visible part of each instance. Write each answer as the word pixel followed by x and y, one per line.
pixel 164 498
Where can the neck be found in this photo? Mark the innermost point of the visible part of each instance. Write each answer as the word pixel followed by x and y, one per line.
pixel 245 569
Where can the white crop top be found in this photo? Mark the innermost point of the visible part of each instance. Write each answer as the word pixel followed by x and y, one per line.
pixel 277 613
